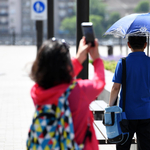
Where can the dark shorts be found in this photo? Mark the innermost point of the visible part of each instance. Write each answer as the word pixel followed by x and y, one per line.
pixel 142 130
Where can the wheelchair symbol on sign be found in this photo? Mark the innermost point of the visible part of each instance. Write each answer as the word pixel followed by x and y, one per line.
pixel 39 7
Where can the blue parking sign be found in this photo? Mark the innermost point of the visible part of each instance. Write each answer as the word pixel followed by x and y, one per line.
pixel 39 9
pixel 39 6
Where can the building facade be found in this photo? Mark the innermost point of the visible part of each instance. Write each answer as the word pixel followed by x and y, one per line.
pixel 62 9
pixel 27 25
pixel 10 16
pixel 4 16
pixel 15 15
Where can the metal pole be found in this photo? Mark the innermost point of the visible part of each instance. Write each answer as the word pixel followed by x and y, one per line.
pixel 82 16
pixel 148 45
pixel 39 33
pixel 120 43
pixel 50 19
pixel 14 37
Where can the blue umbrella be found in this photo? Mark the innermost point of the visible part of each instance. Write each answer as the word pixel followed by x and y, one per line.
pixel 133 24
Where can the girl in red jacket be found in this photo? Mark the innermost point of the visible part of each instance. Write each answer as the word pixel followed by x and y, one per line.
pixel 53 71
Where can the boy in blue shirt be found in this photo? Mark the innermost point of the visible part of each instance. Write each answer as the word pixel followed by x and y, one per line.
pixel 137 107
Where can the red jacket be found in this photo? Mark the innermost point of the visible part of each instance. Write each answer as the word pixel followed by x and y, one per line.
pixel 81 96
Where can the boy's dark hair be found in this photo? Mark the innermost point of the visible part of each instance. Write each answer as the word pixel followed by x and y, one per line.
pixel 137 42
pixel 51 66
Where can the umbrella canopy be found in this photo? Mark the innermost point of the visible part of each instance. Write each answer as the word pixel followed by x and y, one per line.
pixel 134 24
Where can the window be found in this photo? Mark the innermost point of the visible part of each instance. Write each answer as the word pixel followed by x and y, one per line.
pixel 12 11
pixel 62 13
pixel 71 4
pixel 26 11
pixel 4 3
pixel 3 28
pixel 3 11
pixel 26 3
pixel 62 5
pixel 70 11
pixel 25 19
pixel 3 20
pixel 26 28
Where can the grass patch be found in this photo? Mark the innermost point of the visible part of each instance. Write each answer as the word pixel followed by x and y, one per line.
pixel 110 65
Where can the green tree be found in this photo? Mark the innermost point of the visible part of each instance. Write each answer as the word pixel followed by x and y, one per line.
pixel 97 24
pixel 97 7
pixel 114 16
pixel 98 12
pixel 69 25
pixel 142 7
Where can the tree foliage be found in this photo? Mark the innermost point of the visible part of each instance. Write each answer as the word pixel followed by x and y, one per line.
pixel 69 25
pixel 97 24
pixel 98 12
pixel 114 16
pixel 142 7
pixel 97 7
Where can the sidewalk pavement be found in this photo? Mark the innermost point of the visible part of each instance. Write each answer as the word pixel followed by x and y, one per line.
pixel 16 107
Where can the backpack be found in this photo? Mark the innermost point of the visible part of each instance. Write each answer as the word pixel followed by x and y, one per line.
pixel 116 125
pixel 115 118
pixel 52 126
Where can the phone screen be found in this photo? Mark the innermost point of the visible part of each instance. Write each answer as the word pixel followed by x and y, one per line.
pixel 88 33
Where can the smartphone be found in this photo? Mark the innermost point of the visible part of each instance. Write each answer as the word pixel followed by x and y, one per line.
pixel 88 32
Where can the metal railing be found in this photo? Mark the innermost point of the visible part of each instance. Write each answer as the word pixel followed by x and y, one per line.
pixel 30 39
pixel 17 39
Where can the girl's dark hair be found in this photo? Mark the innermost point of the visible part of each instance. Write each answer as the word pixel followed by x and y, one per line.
pixel 137 42
pixel 51 66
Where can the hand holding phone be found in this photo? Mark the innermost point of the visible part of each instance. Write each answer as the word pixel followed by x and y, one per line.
pixel 88 32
